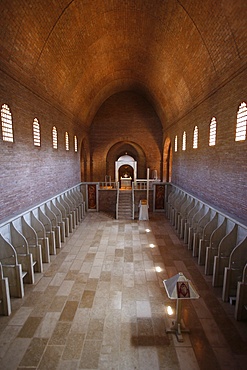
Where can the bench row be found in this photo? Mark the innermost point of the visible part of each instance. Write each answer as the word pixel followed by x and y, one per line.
pixel 28 241
pixel 218 242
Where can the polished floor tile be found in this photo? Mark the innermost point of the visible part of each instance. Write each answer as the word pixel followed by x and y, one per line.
pixel 101 304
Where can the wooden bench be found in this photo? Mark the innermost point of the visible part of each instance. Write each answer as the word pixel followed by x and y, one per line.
pixel 218 241
pixel 5 304
pixel 182 214
pixel 20 245
pixel 217 235
pixel 28 240
pixel 204 237
pixel 65 217
pixel 54 223
pixel 43 240
pixel 77 195
pixel 71 209
pixel 170 201
pixel 60 222
pixel 234 271
pixel 177 207
pixel 198 230
pixel 175 200
pixel 241 297
pixel 50 234
pixel 221 260
pixel 193 227
pixel 189 219
pixel 32 239
pixel 12 269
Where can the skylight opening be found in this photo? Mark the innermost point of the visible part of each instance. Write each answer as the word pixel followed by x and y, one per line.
pixel 195 138
pixel 66 141
pixel 75 144
pixel 36 132
pixel 7 127
pixel 176 143
pixel 54 137
pixel 212 132
pixel 241 122
pixel 184 141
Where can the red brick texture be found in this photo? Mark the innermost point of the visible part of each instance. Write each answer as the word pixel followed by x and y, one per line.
pixel 29 174
pixel 124 76
pixel 126 122
pixel 217 174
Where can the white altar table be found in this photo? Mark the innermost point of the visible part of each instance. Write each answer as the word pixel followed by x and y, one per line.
pixel 126 182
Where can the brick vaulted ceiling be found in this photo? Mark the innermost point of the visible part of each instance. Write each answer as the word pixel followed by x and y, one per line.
pixel 77 53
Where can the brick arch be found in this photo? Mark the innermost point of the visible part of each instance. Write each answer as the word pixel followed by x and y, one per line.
pixel 127 118
pixel 121 148
pixel 167 160
pixel 175 53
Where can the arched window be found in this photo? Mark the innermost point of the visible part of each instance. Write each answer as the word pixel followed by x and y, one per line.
pixel 66 141
pixel 75 143
pixel 176 143
pixel 184 141
pixel 6 120
pixel 212 132
pixel 54 137
pixel 36 132
pixel 195 138
pixel 241 122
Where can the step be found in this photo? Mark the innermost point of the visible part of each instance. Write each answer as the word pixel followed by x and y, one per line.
pixel 120 217
pixel 125 205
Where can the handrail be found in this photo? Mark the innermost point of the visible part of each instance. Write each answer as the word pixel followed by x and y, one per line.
pixel 117 202
pixel 107 185
pixel 133 201
pixel 141 184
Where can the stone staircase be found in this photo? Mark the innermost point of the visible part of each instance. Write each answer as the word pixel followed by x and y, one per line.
pixel 125 205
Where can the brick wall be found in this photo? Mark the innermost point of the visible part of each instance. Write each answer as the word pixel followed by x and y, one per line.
pixel 29 174
pixel 126 117
pixel 107 202
pixel 218 174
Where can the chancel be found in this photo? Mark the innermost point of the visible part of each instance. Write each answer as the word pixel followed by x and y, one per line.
pixel 122 165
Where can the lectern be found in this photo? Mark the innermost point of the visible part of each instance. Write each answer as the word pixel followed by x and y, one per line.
pixel 143 212
pixel 179 287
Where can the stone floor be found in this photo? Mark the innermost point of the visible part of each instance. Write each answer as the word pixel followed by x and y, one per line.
pixel 100 304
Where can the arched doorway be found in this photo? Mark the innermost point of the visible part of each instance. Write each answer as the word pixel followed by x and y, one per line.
pixel 125 170
pixel 120 149
pixel 126 176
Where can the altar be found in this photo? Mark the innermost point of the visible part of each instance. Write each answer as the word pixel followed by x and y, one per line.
pixel 126 182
